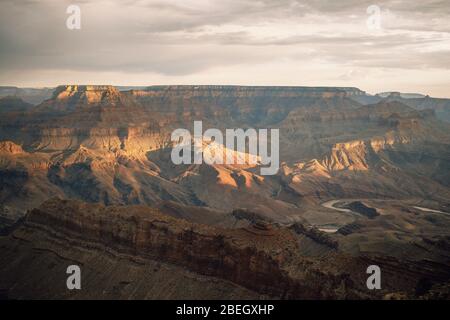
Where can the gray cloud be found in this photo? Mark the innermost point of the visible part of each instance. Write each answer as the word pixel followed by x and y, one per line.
pixel 176 39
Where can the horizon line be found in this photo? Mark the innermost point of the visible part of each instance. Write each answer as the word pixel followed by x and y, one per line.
pixel 216 85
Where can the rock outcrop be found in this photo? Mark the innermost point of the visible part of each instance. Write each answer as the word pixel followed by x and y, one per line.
pixel 10 147
pixel 264 258
pixel 361 208
pixel 259 258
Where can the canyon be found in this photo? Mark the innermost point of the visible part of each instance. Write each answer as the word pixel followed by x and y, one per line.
pixel 86 175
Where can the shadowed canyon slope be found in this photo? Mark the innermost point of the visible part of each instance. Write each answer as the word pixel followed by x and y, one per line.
pixel 118 247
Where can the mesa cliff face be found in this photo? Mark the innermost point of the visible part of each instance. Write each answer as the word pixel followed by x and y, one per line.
pixel 189 91
pixel 77 96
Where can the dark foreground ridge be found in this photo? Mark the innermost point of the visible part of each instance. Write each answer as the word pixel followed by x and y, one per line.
pixel 138 252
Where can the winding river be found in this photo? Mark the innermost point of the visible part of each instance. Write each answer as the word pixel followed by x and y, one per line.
pixel 429 210
pixel 331 205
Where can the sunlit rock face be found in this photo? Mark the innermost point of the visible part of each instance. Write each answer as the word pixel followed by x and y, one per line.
pixel 92 94
pixel 99 144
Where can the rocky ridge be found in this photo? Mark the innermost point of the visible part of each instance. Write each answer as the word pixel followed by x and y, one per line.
pixel 264 258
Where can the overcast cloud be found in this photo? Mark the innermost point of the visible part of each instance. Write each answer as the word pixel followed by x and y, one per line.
pixel 248 42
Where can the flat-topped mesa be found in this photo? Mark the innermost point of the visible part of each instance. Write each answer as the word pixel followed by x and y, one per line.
pixel 189 91
pixel 352 91
pixel 71 97
pixel 88 93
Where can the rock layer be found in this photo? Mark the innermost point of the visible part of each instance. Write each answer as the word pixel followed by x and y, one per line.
pixel 264 258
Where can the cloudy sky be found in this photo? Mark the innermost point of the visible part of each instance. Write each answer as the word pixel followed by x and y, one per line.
pixel 246 42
